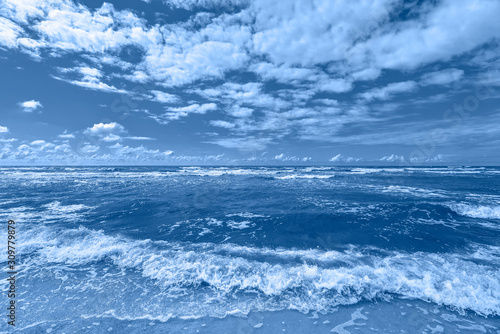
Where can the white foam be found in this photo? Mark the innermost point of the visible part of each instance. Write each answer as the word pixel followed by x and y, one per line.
pixel 306 280
pixel 239 225
pixel 476 211
pixel 247 215
pixel 56 207
pixel 303 176
pixel 419 192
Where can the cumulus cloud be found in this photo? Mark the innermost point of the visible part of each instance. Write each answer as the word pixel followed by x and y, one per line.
pixel 4 129
pixel 102 129
pixel 283 157
pixel 30 106
pixel 393 158
pixel 341 158
pixel 108 132
pixel 41 151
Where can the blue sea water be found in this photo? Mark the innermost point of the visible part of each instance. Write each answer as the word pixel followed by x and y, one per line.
pixel 255 249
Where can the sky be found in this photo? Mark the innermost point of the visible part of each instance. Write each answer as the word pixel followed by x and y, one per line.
pixel 257 82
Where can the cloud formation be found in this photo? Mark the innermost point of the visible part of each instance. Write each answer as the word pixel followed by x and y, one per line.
pixel 264 73
pixel 30 106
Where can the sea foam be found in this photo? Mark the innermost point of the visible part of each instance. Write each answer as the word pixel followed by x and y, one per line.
pixel 265 278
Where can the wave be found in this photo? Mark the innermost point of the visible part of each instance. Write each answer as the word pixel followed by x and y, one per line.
pixel 195 280
pixel 476 211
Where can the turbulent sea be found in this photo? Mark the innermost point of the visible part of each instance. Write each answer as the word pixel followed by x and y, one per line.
pixel 254 249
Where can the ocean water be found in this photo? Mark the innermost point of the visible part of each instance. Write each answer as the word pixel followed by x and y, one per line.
pixel 254 249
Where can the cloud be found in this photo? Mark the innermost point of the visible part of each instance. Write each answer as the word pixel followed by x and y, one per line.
pixel 103 129
pixel 107 132
pixel 442 77
pixel 239 111
pixel 284 157
pixel 389 91
pixel 335 85
pixel 174 114
pixel 222 124
pixel 162 97
pixel 393 158
pixel 246 144
pixel 4 129
pixel 9 33
pixel 139 153
pixel 341 158
pixel 66 135
pixel 140 138
pixel 89 148
pixel 41 151
pixel 299 70
pixel 87 77
pixel 445 29
pixel 30 106
pixel 423 159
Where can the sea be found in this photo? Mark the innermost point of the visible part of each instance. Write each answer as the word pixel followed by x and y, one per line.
pixel 269 249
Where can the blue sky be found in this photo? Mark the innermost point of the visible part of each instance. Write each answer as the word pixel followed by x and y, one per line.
pixel 250 82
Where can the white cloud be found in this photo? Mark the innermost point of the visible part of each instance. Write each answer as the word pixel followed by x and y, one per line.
pixel 222 124
pixel 357 40
pixel 442 77
pixel 422 159
pixel 247 144
pixel 9 33
pixel 393 158
pixel 162 97
pixel 89 148
pixel 90 78
pixel 341 158
pixel 140 138
pixel 111 138
pixel 107 132
pixel 176 113
pixel 238 111
pixel 139 153
pixel 249 94
pixel 284 157
pixel 388 91
pixel 10 140
pixel 4 129
pixel 30 106
pixel 447 29
pixel 66 135
pixel 102 129
pixel 335 85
